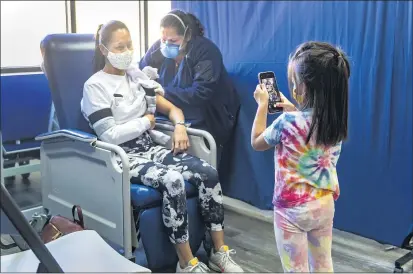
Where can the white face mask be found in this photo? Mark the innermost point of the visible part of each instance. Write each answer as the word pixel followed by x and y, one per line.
pixel 122 60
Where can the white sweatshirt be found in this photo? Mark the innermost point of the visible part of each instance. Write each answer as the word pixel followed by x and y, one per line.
pixel 114 106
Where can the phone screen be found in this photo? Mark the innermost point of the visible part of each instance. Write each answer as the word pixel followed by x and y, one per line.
pixel 268 79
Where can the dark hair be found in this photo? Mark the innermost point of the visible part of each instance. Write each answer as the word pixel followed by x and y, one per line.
pixel 191 21
pixel 325 70
pixel 103 36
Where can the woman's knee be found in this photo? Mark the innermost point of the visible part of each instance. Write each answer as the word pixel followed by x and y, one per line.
pixel 174 210
pixel 209 175
pixel 174 183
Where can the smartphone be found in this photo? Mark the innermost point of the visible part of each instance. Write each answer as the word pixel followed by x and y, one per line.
pixel 268 79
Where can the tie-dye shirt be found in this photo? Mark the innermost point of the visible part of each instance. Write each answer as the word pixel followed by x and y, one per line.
pixel 303 172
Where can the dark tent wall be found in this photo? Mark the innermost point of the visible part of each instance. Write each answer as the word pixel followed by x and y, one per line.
pixel 375 168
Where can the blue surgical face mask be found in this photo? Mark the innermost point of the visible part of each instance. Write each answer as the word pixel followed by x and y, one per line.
pixel 170 51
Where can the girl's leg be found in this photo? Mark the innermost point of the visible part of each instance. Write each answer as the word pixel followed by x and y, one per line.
pixel 291 243
pixel 320 238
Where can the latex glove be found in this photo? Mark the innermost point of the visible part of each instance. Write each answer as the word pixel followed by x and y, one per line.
pixel 151 84
pixel 159 90
pixel 151 72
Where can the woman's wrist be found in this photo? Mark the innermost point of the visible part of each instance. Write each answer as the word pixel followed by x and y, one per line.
pixel 180 123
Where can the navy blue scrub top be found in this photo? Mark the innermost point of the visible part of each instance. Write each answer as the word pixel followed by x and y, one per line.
pixel 200 86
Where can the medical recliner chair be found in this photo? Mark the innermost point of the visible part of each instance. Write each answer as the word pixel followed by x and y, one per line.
pixel 79 169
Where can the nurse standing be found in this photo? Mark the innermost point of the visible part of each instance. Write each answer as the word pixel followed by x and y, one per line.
pixel 192 73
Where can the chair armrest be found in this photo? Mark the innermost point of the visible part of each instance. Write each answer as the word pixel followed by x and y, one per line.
pixel 85 153
pixel 68 133
pixel 166 126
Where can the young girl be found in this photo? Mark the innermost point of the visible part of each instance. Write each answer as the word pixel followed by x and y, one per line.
pixel 307 145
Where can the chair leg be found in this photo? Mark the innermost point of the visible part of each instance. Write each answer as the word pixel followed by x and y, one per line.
pixel 9 164
pixel 26 175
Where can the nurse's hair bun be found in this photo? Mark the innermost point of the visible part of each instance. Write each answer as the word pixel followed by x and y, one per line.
pixel 197 26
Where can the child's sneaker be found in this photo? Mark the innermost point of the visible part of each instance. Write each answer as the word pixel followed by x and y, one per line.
pixel 221 261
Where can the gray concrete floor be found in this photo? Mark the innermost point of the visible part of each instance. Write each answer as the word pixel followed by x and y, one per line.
pixel 251 235
pixel 27 193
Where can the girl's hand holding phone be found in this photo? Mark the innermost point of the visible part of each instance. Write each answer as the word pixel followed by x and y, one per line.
pixel 261 95
pixel 286 104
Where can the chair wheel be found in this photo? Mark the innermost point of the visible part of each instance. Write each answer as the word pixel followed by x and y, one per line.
pixel 26 176
pixel 398 270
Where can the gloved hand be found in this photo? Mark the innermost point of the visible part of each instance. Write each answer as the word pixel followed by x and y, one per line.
pixel 151 84
pixel 151 72
pixel 159 89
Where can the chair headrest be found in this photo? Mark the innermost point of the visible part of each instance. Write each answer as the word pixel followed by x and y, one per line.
pixel 68 63
pixel 25 106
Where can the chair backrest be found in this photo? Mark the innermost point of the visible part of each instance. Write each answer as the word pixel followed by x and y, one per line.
pixel 69 64
pixel 25 106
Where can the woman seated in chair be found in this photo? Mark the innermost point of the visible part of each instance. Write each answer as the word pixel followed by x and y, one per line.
pixel 114 102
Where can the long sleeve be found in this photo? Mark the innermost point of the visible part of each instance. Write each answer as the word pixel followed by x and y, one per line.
pixel 96 107
pixel 153 57
pixel 206 67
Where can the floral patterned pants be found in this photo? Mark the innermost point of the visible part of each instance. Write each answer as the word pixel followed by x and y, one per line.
pixel 155 166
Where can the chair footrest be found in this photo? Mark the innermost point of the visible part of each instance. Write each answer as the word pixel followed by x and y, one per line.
pixel 25 169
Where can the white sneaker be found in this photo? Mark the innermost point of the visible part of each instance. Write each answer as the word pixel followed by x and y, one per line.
pixel 221 261
pixel 194 265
